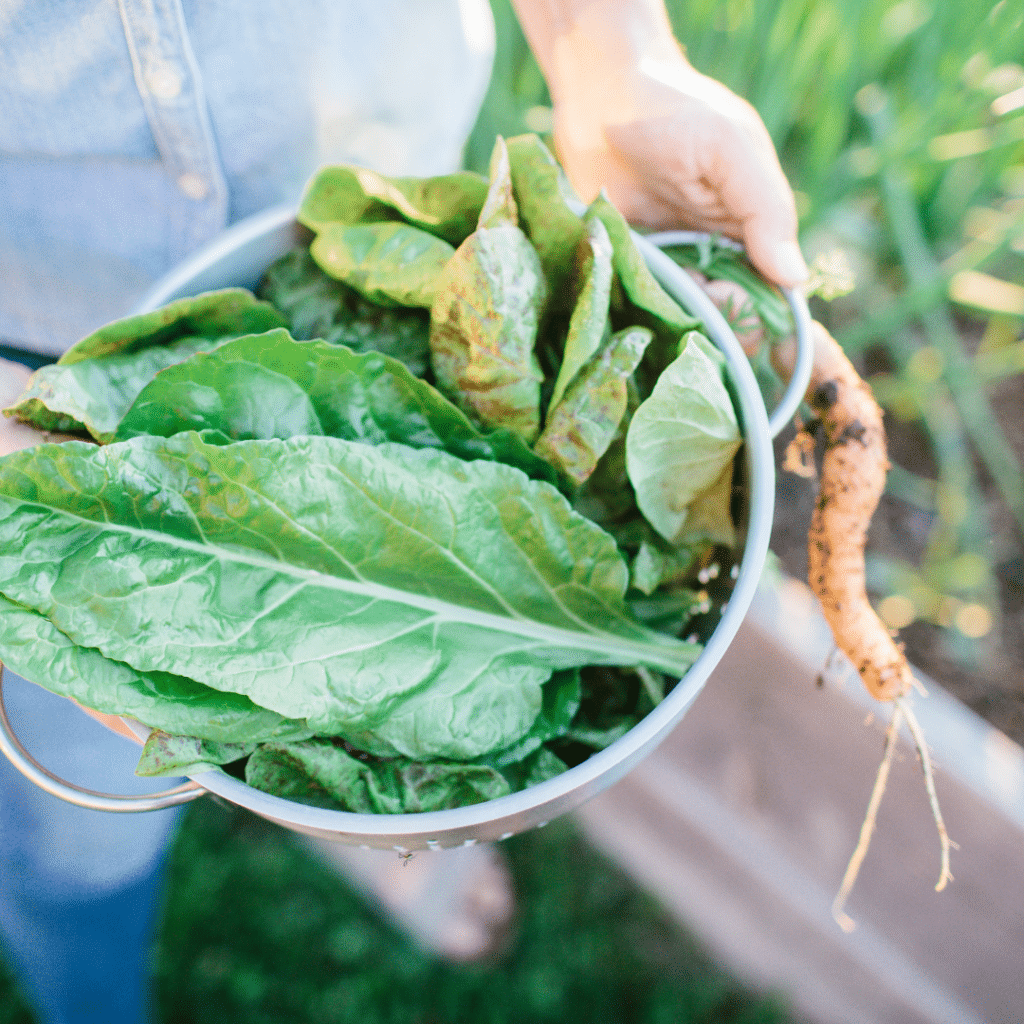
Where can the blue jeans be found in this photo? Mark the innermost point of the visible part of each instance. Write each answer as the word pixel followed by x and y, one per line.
pixel 79 890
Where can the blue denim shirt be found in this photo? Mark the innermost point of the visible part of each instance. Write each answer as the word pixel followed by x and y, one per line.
pixel 133 131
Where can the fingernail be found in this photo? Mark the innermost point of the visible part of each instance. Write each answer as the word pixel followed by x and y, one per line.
pixel 790 263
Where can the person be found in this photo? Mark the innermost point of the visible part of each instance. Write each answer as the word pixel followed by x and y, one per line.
pixel 132 133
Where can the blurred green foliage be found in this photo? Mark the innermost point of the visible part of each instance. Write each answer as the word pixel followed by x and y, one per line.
pixel 256 931
pixel 901 126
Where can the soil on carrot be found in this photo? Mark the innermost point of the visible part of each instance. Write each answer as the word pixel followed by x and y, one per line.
pixel 990 679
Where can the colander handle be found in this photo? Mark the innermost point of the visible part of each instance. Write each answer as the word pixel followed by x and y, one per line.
pixel 797 386
pixel 13 750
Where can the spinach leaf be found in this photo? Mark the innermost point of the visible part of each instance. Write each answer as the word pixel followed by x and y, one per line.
pixel 323 774
pixel 164 754
pixel 405 600
pixel 555 231
pixel 589 321
pixel 560 703
pixel 390 264
pixel 681 439
pixel 270 385
pixel 447 206
pixel 640 299
pixel 92 385
pixel 318 306
pixel 485 316
pixel 582 426
pixel 36 649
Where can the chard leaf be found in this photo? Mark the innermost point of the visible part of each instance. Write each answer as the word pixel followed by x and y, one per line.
pixel 35 648
pixel 538 767
pixel 269 385
pixel 652 567
pixel 447 206
pixel 560 703
pixel 92 385
pixel 583 424
pixel 317 306
pixel 407 601
pixel 554 229
pixel 320 773
pixel 390 263
pixel 484 320
pixel 641 299
pixel 680 439
pixel 164 754
pixel 709 517
pixel 589 320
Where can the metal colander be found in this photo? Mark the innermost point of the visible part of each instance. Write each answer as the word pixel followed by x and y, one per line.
pixel 239 258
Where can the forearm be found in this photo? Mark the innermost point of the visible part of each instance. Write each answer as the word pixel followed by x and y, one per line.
pixel 579 40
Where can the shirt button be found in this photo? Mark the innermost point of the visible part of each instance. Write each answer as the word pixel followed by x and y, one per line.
pixel 164 81
pixel 194 186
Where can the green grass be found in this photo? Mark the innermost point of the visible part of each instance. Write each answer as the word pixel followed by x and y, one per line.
pixel 255 931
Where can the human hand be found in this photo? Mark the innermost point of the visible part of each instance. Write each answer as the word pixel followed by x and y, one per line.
pixel 671 147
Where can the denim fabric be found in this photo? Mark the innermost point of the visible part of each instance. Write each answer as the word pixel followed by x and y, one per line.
pixel 132 131
pixel 79 890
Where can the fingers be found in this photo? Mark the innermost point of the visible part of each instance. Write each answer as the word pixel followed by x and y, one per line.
pixel 755 194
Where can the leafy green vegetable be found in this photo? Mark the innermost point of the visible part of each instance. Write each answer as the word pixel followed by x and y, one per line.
pixel 542 193
pixel 390 263
pixel 269 385
pixel 681 439
pixel 582 426
pixel 484 321
pixel 164 754
pixel 447 206
pixel 36 649
pixel 323 774
pixel 405 600
pixel 317 306
pixel 589 322
pixel 92 385
pixel 299 554
pixel 641 299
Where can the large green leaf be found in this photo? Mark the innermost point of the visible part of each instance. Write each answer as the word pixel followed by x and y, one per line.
pixel 589 321
pixel 581 427
pixel 323 774
pixel 317 306
pixel 35 648
pixel 269 385
pixel 405 600
pixel 93 384
pixel 641 300
pixel 681 439
pixel 485 316
pixel 447 206
pixel 544 213
pixel 390 263
pixel 166 754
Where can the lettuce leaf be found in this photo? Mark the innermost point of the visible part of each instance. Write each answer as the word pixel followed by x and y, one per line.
pixel 681 439
pixel 484 320
pixel 407 601
pixel 390 264
pixel 447 205
pixel 36 649
pixel 317 306
pixel 93 384
pixel 270 385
